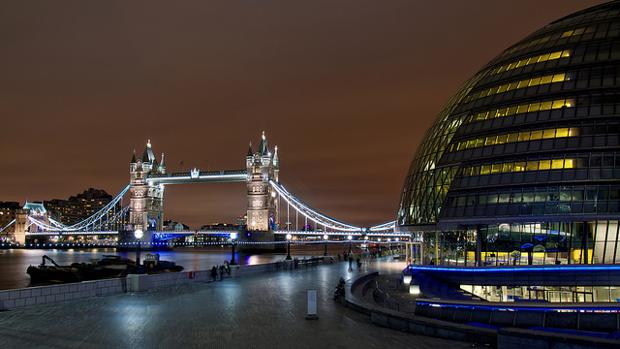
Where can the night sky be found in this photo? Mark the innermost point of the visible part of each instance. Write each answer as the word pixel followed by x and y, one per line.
pixel 345 89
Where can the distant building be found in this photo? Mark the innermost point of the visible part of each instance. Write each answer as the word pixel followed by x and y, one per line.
pixel 78 207
pixel 170 225
pixel 221 226
pixel 7 212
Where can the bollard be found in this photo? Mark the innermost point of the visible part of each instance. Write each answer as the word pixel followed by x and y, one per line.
pixel 311 313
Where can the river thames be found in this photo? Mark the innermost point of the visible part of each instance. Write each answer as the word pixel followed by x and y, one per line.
pixel 14 262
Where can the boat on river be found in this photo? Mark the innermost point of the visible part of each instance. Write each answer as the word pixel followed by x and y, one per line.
pixel 110 266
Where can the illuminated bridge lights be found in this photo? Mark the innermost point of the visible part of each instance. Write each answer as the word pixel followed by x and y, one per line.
pixel 70 233
pixel 112 215
pixel 196 176
pixel 340 233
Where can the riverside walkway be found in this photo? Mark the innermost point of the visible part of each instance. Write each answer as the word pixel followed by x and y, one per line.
pixel 262 311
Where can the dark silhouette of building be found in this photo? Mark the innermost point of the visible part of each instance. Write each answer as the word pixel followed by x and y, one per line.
pixel 78 207
pixel 7 213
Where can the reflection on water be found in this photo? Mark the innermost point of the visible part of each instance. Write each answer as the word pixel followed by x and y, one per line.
pixel 14 262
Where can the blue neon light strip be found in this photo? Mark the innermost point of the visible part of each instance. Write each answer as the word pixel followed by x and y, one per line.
pixel 611 308
pixel 542 268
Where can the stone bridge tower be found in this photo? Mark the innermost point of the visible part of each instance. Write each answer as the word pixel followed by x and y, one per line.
pixel 146 206
pixel 262 166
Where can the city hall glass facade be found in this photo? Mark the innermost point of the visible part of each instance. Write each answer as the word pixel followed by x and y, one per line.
pixel 523 164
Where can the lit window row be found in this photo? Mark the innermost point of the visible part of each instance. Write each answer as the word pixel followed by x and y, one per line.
pixel 515 137
pixel 544 39
pixel 573 32
pixel 521 108
pixel 539 80
pixel 532 60
pixel 520 166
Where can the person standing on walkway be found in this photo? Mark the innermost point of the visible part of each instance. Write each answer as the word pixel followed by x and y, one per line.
pixel 221 271
pixel 214 273
pixel 350 263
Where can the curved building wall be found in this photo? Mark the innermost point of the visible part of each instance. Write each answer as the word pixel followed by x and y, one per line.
pixel 525 158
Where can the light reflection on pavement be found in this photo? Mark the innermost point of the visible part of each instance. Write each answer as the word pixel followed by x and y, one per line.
pixel 265 311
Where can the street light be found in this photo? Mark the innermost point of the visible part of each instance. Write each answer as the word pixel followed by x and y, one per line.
pixel 325 237
pixel 350 237
pixel 233 238
pixel 288 249
pixel 138 234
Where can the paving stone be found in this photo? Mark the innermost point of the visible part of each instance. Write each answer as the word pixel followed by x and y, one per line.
pixel 261 311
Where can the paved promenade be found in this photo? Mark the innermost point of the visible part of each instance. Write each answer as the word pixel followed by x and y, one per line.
pixel 265 311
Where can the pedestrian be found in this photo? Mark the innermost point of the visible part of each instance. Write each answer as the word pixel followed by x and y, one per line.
pixel 350 263
pixel 221 270
pixel 359 263
pixel 214 273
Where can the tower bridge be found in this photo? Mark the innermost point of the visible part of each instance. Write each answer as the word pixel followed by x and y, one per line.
pixel 271 209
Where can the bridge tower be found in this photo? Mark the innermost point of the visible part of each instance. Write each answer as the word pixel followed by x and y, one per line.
pixel 20 226
pixel 262 166
pixel 146 206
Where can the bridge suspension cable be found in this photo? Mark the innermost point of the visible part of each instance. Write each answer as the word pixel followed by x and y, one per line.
pixel 311 213
pixel 7 226
pixel 97 217
pixel 383 227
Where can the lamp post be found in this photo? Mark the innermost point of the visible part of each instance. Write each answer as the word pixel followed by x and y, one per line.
pixel 325 237
pixel 138 234
pixel 233 239
pixel 350 238
pixel 288 248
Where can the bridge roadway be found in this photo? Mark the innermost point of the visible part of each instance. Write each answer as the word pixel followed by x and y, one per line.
pixel 385 234
pixel 265 311
pixel 196 176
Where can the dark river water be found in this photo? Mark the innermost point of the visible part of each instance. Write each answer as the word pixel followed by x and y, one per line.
pixel 14 262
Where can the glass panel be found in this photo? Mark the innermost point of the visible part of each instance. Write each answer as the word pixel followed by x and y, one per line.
pixel 536 135
pixel 557 164
pixel 548 134
pixel 544 165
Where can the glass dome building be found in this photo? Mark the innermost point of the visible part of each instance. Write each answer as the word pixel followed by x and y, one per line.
pixel 523 164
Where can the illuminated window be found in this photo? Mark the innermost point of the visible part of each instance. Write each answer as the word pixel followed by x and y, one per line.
pixel 520 166
pixel 573 32
pixel 520 109
pixel 535 135
pixel 532 60
pixel 557 164
pixel 545 39
pixel 544 165
pixel 515 137
pixel 535 81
